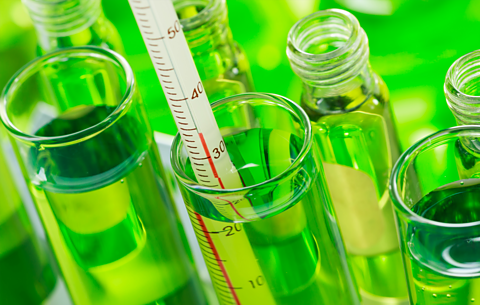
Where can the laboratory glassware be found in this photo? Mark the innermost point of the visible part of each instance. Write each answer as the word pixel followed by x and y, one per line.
pixel 462 89
pixel 284 247
pixel 409 50
pixel 70 23
pixel 222 64
pixel 184 90
pixel 348 105
pixel 17 39
pixel 462 96
pixel 26 276
pixel 80 131
pixel 438 219
pixel 189 105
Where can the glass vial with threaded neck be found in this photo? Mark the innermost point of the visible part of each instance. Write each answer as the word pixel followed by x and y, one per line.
pixel 70 23
pixel 462 89
pixel 462 92
pixel 348 106
pixel 221 63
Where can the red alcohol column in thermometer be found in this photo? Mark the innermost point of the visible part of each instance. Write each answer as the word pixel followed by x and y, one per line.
pixel 171 57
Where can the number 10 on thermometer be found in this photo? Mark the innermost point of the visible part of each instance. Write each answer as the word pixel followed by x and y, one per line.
pixel 228 254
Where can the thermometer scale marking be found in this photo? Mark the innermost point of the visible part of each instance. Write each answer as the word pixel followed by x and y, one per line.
pixel 192 113
pixel 172 85
pixel 218 261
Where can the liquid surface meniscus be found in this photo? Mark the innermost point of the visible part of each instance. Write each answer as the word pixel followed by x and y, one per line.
pixel 107 214
pixel 296 249
pixel 446 268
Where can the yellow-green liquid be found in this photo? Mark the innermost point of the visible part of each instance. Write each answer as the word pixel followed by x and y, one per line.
pixel 358 148
pixel 298 248
pixel 26 277
pixel 108 216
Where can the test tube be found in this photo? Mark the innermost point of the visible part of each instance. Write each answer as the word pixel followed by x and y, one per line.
pixel 26 275
pixel 80 132
pixel 438 217
pixel 292 252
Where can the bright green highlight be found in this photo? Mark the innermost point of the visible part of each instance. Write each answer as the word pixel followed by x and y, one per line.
pixel 261 28
pixel 400 37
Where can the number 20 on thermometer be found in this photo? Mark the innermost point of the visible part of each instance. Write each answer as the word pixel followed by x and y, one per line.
pixel 233 267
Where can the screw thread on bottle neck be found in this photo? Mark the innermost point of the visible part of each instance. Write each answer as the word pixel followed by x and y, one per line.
pixel 462 89
pixel 329 50
pixel 60 18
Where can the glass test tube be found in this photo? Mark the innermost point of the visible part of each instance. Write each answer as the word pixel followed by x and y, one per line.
pixel 292 253
pixel 438 217
pixel 26 276
pixel 80 132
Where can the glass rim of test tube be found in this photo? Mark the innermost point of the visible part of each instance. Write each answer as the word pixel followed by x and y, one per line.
pixel 37 64
pixel 406 160
pixel 295 109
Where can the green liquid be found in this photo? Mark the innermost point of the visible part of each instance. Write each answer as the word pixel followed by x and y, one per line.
pixel 221 63
pixel 100 33
pixel 108 216
pixel 299 249
pixel 26 277
pixel 358 149
pixel 433 254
